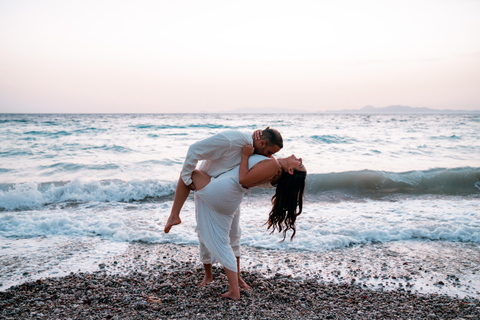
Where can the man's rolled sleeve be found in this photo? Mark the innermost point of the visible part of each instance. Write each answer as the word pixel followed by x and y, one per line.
pixel 207 149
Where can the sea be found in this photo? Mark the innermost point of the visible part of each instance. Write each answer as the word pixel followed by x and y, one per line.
pixel 386 195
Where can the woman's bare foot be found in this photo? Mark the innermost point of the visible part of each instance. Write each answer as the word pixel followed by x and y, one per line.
pixel 206 280
pixel 243 284
pixel 230 295
pixel 172 221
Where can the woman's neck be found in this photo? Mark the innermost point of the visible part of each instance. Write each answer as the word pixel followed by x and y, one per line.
pixel 283 163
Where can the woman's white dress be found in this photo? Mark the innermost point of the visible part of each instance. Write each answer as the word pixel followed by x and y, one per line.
pixel 215 206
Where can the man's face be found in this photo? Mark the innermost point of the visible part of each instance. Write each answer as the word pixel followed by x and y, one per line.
pixel 266 150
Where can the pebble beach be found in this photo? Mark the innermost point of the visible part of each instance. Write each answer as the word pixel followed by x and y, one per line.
pixel 159 282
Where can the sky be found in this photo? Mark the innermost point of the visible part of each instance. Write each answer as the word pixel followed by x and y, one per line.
pixel 219 56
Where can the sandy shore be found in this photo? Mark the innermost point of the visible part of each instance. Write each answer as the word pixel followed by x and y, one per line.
pixel 159 282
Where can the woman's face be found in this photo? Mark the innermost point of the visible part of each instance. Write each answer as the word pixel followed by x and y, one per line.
pixel 294 163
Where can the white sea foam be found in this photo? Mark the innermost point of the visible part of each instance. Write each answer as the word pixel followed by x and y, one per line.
pixel 321 227
pixel 335 225
pixel 35 258
pixel 34 195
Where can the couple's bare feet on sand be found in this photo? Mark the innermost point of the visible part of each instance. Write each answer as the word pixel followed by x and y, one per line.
pixel 229 295
pixel 243 284
pixel 206 280
pixel 236 295
pixel 172 221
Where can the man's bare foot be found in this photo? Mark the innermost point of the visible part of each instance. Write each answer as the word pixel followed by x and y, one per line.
pixel 206 280
pixel 243 284
pixel 230 295
pixel 172 221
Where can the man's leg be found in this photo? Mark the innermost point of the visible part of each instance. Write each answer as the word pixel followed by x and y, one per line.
pixel 181 194
pixel 208 277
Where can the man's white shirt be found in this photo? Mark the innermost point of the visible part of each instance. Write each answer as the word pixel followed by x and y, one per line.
pixel 220 153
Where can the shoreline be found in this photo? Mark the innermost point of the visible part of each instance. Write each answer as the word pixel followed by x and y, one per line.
pixel 426 267
pixel 159 282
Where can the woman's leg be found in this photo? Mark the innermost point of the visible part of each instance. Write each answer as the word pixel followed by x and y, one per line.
pixel 235 234
pixel 241 282
pixel 233 292
pixel 201 180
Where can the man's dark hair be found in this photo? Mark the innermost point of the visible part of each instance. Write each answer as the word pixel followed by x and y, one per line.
pixel 272 137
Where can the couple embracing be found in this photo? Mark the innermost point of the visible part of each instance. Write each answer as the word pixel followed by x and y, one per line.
pixel 234 162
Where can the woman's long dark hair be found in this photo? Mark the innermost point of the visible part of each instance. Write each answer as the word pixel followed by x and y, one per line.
pixel 287 197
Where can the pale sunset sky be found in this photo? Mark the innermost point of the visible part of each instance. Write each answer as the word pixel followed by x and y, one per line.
pixel 218 56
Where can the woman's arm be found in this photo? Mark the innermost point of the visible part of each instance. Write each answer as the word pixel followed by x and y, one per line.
pixel 259 173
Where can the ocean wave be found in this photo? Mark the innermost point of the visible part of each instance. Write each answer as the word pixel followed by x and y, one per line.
pixel 365 183
pixel 458 181
pixel 166 126
pixel 48 133
pixel 14 120
pixel 332 139
pixel 89 130
pixel 114 148
pixel 24 196
pixel 443 137
pixel 16 153
pixel 74 167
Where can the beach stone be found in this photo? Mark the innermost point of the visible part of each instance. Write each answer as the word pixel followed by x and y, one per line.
pixel 140 305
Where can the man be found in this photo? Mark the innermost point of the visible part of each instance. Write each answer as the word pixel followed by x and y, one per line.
pixel 221 153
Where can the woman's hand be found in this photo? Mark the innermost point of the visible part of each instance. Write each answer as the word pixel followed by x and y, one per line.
pixel 247 150
pixel 257 134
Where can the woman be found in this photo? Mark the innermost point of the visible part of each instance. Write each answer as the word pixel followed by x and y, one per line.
pixel 217 199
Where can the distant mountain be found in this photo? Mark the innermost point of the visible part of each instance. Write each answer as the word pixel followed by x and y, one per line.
pixel 267 110
pixel 399 109
pixel 396 109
